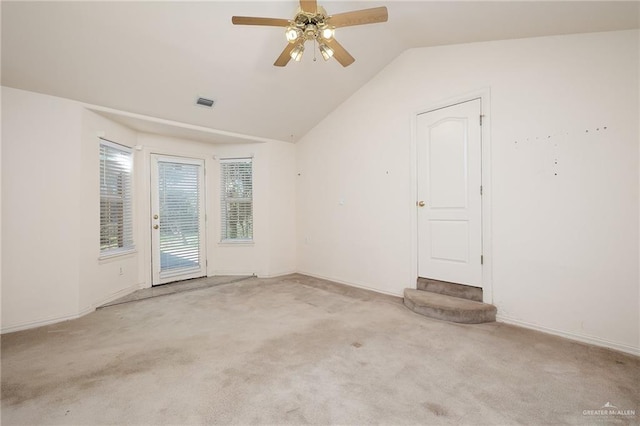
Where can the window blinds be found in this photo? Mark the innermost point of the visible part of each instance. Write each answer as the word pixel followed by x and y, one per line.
pixel 116 216
pixel 237 199
pixel 179 206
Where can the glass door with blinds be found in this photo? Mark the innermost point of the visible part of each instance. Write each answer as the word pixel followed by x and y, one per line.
pixel 177 218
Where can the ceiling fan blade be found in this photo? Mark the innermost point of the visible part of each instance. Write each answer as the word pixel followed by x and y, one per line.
pixel 359 17
pixel 250 20
pixel 285 56
pixel 309 6
pixel 340 53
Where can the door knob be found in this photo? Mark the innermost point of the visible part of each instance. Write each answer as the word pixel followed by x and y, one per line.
pixel 155 216
pixel 156 226
pixel 420 203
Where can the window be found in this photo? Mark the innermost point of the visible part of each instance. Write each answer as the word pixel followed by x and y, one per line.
pixel 236 199
pixel 116 223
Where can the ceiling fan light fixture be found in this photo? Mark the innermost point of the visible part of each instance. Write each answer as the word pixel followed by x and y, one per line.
pixel 326 51
pixel 296 53
pixel 313 23
pixel 310 32
pixel 293 34
pixel 327 33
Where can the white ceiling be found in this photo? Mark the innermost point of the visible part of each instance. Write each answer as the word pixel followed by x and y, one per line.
pixel 155 58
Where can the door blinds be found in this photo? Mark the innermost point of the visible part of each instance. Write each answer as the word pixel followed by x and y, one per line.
pixel 179 206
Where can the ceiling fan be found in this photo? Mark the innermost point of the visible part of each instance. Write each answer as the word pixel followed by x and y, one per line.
pixel 312 23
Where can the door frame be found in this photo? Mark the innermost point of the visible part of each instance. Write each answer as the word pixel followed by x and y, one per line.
pixel 485 132
pixel 154 156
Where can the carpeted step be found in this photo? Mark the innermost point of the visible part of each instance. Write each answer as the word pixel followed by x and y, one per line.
pixel 448 308
pixel 450 289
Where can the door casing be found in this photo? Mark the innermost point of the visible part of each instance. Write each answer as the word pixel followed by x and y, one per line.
pixel 484 96
pixel 155 277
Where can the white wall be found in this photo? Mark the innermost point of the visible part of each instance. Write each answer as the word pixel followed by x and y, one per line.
pixel 50 210
pixel 100 280
pixel 282 209
pixel 40 200
pixel 0 196
pixel 50 227
pixel 273 250
pixel 565 246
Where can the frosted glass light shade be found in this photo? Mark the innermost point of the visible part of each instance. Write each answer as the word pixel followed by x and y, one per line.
pixel 326 51
pixel 292 34
pixel 327 33
pixel 296 53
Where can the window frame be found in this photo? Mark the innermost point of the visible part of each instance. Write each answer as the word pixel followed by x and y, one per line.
pixel 126 198
pixel 224 202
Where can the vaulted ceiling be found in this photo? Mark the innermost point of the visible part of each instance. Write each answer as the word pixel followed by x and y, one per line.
pixel 156 58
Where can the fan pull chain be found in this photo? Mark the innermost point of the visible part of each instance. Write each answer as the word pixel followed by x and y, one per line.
pixel 314 50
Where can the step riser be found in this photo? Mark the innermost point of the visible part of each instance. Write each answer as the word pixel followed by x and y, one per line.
pixel 450 289
pixel 448 308
pixel 458 317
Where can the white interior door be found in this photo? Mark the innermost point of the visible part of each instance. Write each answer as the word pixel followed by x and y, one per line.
pixel 177 218
pixel 449 194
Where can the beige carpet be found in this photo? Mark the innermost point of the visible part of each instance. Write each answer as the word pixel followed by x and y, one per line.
pixel 297 350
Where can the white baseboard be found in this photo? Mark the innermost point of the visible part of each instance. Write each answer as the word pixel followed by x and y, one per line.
pixel 277 274
pixel 572 336
pixel 219 272
pixel 350 283
pixel 38 323
pixel 81 312
pixel 249 274
pixel 113 296
pixel 508 320
pixel 500 318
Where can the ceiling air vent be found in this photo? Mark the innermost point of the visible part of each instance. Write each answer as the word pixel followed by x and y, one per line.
pixel 205 102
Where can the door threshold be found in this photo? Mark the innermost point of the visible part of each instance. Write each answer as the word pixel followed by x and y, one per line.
pixel 177 287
